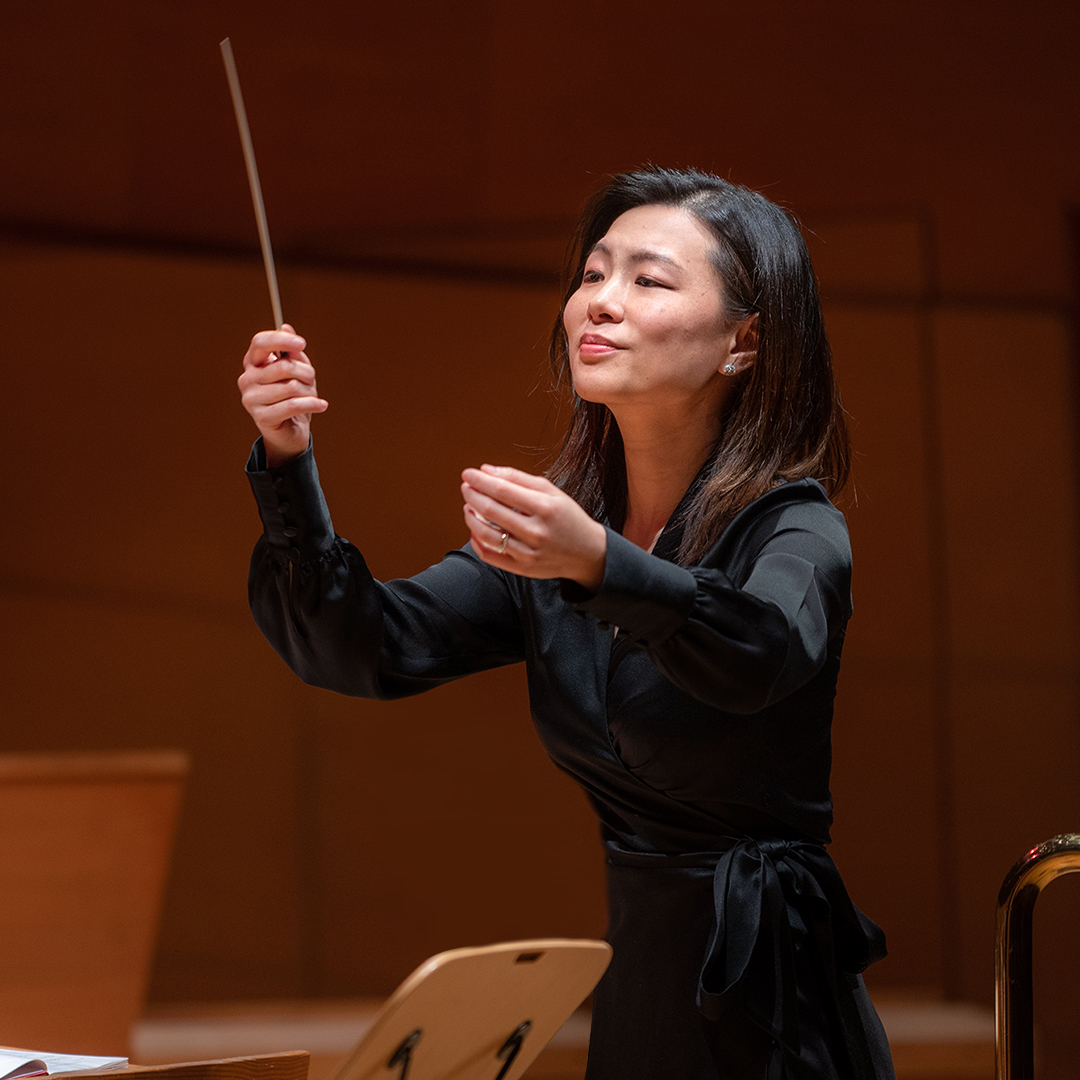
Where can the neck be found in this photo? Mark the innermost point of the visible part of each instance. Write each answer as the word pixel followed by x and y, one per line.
pixel 663 455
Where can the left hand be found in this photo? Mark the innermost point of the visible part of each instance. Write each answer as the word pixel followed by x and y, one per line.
pixel 547 534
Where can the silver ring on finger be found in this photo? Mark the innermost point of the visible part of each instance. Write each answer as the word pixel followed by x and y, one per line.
pixel 504 539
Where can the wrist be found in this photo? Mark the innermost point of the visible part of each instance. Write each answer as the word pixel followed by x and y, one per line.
pixel 278 454
pixel 591 574
pixel 275 458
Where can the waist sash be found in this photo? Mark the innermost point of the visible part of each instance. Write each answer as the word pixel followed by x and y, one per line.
pixel 750 959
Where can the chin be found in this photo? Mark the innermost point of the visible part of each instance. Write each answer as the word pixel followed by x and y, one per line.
pixel 606 394
pixel 591 394
pixel 590 385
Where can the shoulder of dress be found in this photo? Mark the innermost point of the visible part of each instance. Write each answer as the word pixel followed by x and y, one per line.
pixel 802 505
pixel 793 494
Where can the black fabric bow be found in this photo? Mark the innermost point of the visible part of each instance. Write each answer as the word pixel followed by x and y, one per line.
pixel 750 961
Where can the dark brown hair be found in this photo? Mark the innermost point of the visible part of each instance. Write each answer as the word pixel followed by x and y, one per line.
pixel 783 420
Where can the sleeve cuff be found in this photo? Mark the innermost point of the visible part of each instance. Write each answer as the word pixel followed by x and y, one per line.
pixel 647 597
pixel 294 514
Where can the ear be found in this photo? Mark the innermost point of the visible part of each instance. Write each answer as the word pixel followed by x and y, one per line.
pixel 742 346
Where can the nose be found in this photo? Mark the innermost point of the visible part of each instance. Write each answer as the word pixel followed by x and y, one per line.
pixel 606 303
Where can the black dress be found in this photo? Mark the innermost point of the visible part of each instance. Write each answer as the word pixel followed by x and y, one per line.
pixel 699 731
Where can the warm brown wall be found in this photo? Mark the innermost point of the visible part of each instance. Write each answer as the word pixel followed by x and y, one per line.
pixel 497 113
pixel 328 844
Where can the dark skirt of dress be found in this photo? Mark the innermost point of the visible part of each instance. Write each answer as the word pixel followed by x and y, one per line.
pixel 735 966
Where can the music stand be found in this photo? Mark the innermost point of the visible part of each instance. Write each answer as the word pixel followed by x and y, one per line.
pixel 478 1014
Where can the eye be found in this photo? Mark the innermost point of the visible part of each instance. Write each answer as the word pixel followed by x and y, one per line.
pixel 649 283
pixel 590 277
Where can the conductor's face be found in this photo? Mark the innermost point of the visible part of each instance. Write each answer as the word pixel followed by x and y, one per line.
pixel 646 326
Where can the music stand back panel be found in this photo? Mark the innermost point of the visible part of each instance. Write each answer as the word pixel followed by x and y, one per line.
pixel 478 1014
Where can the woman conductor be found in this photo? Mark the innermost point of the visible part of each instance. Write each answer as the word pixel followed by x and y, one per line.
pixel 678 587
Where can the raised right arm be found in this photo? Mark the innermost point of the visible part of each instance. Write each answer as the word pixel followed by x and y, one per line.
pixel 310 591
pixel 337 627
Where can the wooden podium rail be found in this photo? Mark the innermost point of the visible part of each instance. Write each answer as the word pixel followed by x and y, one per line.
pixel 288 1066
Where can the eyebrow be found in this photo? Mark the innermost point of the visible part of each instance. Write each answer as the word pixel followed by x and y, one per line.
pixel 642 256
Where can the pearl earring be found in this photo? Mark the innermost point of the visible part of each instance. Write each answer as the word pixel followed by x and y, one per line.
pixel 729 369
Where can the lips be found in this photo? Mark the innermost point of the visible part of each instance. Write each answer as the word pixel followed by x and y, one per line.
pixel 596 345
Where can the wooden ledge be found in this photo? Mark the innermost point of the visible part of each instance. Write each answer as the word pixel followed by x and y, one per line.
pixel 93 766
pixel 292 1065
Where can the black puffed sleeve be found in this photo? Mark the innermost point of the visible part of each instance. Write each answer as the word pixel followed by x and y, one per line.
pixel 337 627
pixel 753 622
